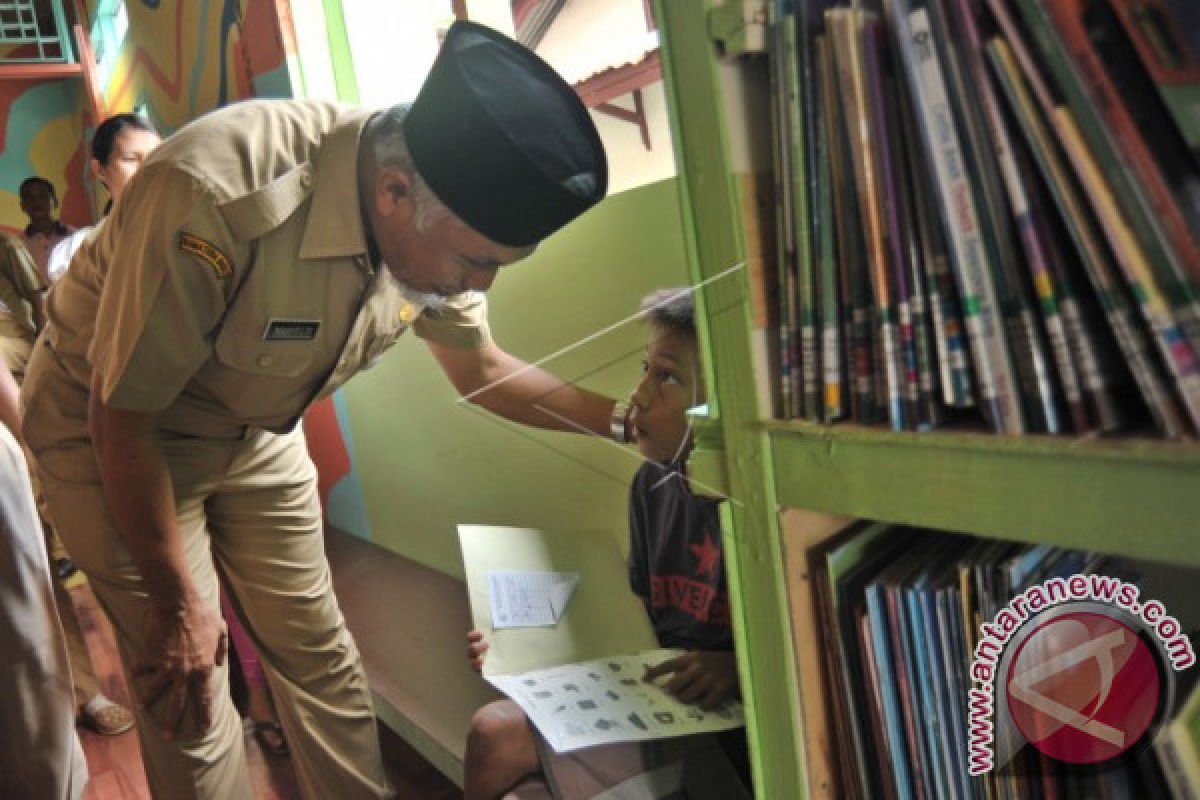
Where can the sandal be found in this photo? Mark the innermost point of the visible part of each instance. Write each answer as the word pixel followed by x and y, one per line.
pixel 270 737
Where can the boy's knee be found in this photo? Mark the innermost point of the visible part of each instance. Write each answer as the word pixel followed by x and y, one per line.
pixel 495 725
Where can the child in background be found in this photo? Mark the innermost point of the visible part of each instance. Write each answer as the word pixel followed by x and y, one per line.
pixel 675 542
pixel 40 203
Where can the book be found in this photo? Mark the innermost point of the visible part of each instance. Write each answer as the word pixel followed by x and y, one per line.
pixel 846 27
pixel 833 372
pixel 783 96
pixel 1126 216
pixel 964 75
pixel 1153 156
pixel 998 394
pixel 857 342
pixel 1083 229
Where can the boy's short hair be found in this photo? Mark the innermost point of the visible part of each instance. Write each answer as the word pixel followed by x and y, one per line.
pixel 36 179
pixel 673 309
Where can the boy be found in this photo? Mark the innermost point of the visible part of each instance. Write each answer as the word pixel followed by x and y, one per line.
pixel 675 544
pixel 40 202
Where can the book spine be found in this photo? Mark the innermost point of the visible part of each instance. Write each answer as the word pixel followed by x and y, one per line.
pixel 849 56
pixel 890 165
pixel 1130 146
pixel 1028 230
pixel 784 233
pixel 832 368
pixel 993 366
pixel 1086 239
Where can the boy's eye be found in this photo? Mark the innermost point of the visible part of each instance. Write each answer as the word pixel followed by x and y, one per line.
pixel 668 377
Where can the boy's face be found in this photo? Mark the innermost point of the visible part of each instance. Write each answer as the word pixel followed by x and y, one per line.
pixel 38 202
pixel 671 384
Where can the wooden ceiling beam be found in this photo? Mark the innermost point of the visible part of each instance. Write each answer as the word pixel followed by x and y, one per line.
pixel 612 83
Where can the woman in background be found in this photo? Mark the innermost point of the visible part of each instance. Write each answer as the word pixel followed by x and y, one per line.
pixel 119 146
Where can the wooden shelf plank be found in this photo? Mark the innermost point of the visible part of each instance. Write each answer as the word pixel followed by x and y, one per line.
pixel 1134 497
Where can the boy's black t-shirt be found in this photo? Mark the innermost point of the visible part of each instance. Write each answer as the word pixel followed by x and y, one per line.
pixel 675 560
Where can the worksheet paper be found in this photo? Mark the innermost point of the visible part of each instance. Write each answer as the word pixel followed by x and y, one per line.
pixel 605 701
pixel 579 680
pixel 529 599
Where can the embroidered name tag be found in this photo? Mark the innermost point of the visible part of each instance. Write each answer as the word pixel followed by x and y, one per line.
pixel 292 330
pixel 205 251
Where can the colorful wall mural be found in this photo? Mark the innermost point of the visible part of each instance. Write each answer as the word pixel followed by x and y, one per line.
pixel 176 59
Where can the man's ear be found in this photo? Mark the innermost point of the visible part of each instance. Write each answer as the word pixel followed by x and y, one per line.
pixel 394 193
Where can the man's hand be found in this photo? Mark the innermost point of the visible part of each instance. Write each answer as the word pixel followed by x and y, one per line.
pixel 182 646
pixel 701 677
pixel 477 647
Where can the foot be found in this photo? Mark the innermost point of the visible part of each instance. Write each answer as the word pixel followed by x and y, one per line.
pixel 105 717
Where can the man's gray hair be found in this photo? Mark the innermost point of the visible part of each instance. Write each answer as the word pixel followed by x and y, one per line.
pixel 390 148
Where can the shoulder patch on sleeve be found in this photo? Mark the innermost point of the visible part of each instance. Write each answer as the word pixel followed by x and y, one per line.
pixel 207 252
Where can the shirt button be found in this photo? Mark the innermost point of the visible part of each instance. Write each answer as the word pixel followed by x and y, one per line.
pixel 265 361
pixel 306 180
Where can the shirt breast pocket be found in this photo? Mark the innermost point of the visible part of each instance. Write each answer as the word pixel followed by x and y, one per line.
pixel 257 356
pixel 258 377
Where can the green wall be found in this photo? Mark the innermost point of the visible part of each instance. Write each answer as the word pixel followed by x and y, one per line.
pixel 427 463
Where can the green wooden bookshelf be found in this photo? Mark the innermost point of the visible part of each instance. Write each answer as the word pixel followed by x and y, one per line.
pixel 1135 497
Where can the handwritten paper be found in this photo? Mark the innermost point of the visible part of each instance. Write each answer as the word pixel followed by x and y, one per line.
pixel 529 599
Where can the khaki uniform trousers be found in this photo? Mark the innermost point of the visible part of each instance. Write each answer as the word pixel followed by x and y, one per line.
pixel 249 507
pixel 16 343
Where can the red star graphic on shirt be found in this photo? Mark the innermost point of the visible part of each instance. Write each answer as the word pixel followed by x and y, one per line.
pixel 708 554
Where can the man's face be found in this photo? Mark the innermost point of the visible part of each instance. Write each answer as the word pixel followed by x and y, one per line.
pixel 38 201
pixel 445 259
pixel 671 384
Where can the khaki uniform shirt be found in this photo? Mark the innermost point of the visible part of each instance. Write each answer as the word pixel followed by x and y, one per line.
pixel 40 244
pixel 232 286
pixel 20 283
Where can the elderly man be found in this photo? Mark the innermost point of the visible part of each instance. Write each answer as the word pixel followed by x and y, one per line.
pixel 264 255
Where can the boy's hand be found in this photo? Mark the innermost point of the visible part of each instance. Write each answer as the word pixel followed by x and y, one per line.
pixel 476 649
pixel 702 677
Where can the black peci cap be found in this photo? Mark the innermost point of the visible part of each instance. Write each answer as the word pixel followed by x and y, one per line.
pixel 502 140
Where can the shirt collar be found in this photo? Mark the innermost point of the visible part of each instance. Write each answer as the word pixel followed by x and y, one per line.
pixel 60 229
pixel 335 226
